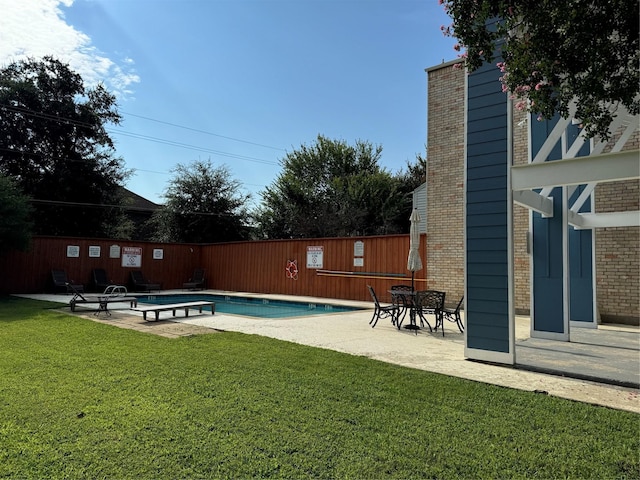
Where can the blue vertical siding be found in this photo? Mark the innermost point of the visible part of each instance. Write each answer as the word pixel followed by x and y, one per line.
pixel 487 267
pixel 581 269
pixel 548 273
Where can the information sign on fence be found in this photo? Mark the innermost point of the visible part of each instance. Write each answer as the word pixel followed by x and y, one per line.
pixel 314 257
pixel 132 257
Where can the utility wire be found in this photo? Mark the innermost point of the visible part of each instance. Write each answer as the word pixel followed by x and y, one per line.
pixel 68 121
pixel 126 207
pixel 202 131
pixel 193 147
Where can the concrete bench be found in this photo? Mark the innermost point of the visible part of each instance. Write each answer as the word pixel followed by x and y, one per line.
pixel 173 307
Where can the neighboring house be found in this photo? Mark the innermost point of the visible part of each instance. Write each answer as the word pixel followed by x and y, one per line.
pixel 139 210
pixel 420 202
pixel 616 257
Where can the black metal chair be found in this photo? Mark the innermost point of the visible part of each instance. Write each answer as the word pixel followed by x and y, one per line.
pixel 197 281
pixel 382 311
pixel 402 295
pixel 62 283
pixel 100 279
pixel 430 302
pixel 453 315
pixel 141 284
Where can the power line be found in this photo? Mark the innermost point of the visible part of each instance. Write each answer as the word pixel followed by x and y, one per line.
pixel 38 154
pixel 192 147
pixel 92 205
pixel 126 207
pixel 203 131
pixel 65 120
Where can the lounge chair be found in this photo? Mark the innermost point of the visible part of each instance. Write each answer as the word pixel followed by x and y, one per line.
pixel 382 311
pixel 100 279
pixel 111 294
pixel 61 282
pixel 197 281
pixel 141 284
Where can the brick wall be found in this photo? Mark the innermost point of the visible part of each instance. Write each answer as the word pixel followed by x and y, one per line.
pixel 521 259
pixel 617 257
pixel 445 181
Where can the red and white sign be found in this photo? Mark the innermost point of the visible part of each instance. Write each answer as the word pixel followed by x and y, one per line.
pixel 132 257
pixel 315 257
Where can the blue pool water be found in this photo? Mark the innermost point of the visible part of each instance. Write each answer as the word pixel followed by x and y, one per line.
pixel 251 307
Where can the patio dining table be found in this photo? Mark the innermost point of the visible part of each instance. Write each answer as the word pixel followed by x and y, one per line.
pixel 405 299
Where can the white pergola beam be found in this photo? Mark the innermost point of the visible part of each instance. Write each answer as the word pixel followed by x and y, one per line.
pixel 603 220
pixel 584 196
pixel 534 201
pixel 575 219
pixel 552 140
pixel 608 167
pixel 624 120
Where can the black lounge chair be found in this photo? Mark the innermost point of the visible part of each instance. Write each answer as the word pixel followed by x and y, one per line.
pixel 453 315
pixel 100 279
pixel 382 311
pixel 61 282
pixel 111 294
pixel 141 284
pixel 197 281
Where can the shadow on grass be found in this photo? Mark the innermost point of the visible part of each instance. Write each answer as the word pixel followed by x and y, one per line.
pixel 19 309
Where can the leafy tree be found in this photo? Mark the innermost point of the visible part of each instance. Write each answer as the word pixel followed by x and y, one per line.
pixel 333 189
pixel 414 176
pixel 203 205
pixel 54 144
pixel 15 227
pixel 556 52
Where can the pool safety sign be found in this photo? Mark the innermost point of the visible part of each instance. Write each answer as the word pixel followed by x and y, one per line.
pixel 132 257
pixel 314 257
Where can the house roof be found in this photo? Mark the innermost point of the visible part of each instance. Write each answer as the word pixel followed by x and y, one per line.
pixel 138 202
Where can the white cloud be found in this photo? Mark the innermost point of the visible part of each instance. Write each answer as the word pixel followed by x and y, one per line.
pixel 35 28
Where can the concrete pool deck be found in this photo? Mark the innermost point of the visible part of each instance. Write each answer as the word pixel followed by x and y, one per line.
pixel 599 366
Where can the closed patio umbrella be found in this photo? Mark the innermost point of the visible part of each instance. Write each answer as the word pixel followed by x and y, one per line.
pixel 414 262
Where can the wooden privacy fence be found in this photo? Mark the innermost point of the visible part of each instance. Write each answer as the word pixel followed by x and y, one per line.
pixel 326 267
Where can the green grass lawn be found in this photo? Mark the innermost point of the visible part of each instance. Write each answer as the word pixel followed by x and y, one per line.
pixel 80 399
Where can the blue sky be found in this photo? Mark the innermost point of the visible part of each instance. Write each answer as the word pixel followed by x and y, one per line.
pixel 242 82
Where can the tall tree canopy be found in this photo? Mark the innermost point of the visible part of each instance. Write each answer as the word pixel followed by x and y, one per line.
pixel 15 227
pixel 556 52
pixel 332 189
pixel 54 144
pixel 203 205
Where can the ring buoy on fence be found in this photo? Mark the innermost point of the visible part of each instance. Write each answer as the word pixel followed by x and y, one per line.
pixel 292 269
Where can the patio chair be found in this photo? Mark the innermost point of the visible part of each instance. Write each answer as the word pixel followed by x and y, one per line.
pixel 430 302
pixel 100 279
pixel 140 284
pixel 197 281
pixel 453 315
pixel 62 283
pixel 382 311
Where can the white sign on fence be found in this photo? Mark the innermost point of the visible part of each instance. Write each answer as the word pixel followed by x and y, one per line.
pixel 132 257
pixel 314 257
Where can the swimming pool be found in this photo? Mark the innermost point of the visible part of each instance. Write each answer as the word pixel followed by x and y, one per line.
pixel 251 307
